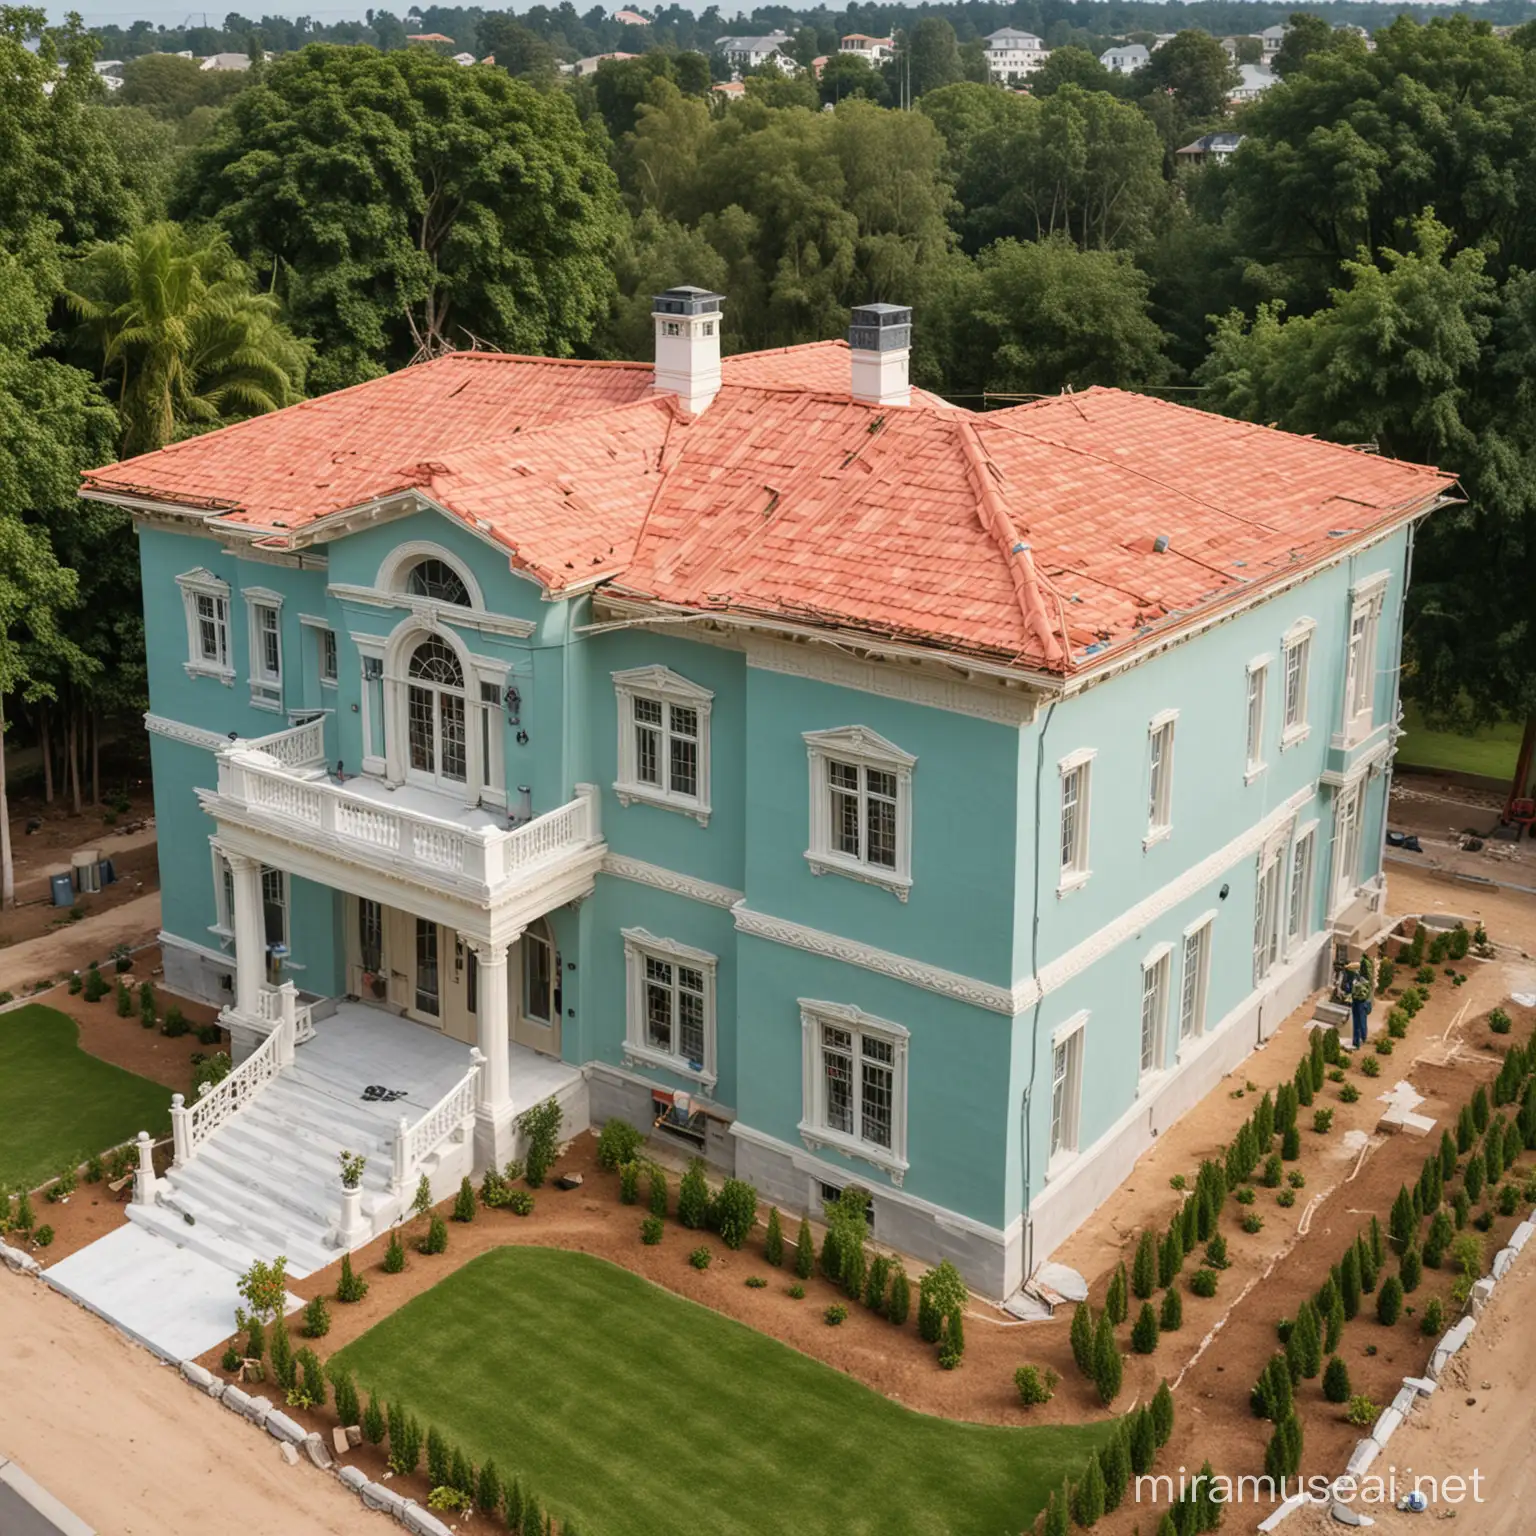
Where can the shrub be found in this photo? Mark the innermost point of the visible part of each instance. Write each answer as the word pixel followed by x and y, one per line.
pixel 1141 1441
pixel 835 1314
pixel 940 1292
pixel 797 1292
pixel 284 1372
pixel 1144 1334
pixel 700 1257
pixel 345 1389
pixel 1296 1179
pixel 394 1255
pixel 436 1240
pixel 175 1023
pixel 1369 1268
pixel 1116 1301
pixel 1439 1239
pixel 1384 1047
pixel 1480 1110
pixel 1397 1023
pixel 209 1034
pixel 1144 1266
pixel 1411 1270
pixel 1499 1022
pixel 1178 1181
pixel 1253 1222
pixel 1245 1197
pixel 1171 1319
pixel 1108 1367
pixel 1273 1394
pixel 488 1492
pixel 1389 1301
pixel 1362 1411
pixel 1036 1384
pixel 1348 1094
pixel 1081 1337
pixel 43 1237
pixel 1088 1503
pixel 693 1197
pixel 317 1318
pixel 1322 1121
pixel 445 1497
pixel 1216 1252
pixel 805 1251
pixel 1509 1197
pixel 1290 1145
pixel 75 984
pixel 1472 1179
pixel 658 1190
pixel 1161 1412
pixel 1274 1172
pixel 1115 1462
pixel 1461 1208
pixel 650 1231
pixel 773 1243
pixel 1203 1282
pixel 1170 1254
pixel 352 1287
pixel 230 1360
pixel 1286 1198
pixel 1370 1066
pixel 875 1285
pixel 952 1350
pixel 1433 1319
pixel 61 1188
pixel 899 1302
pixel 311 1378
pixel 756 1283
pixel 404 1441
pixel 617 1144
pixel 373 1424
pixel 1303 1081
pixel 209 1069
pixel 96 986
pixel 421 1201
pixel 541 1128
pixel 629 1183
pixel 735 1212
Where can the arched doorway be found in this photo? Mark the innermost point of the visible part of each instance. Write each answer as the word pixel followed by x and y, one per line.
pixel 435 713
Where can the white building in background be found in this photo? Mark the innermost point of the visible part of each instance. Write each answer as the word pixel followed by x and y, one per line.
pixel 873 50
pixel 588 65
pixel 1012 54
pixel 232 61
pixel 1124 58
pixel 1271 38
pixel 1255 80
pixel 751 52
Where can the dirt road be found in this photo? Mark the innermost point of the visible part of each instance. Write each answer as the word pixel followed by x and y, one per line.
pixel 133 923
pixel 132 1449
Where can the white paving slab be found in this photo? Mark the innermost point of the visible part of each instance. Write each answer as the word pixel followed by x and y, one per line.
pixel 172 1300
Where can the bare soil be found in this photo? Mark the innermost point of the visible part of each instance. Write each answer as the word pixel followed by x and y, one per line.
pixel 1443 816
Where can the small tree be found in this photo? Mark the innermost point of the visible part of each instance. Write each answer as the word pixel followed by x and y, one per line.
pixel 284 1372
pixel 1389 1304
pixel 1082 1337
pixel 1303 1081
pixel 436 1240
pixel 1466 1132
pixel 1378 1243
pixel 693 1197
pixel 317 1319
pixel 805 1251
pixel 1162 1413
pixel 1304 1347
pixel 345 1389
pixel 735 1212
pixel 940 1292
pixel 1115 1463
pixel 352 1287
pixel 1264 1123
pixel 1117 1301
pixel 629 1183
pixel 404 1448
pixel 1171 1319
pixel 394 1254
pixel 311 1378
pixel 1057 1512
pixel 373 1421
pixel 421 1202
pixel 1411 1270
pixel 875 1285
pixel 1441 1231
pixel 439 1459
pixel 1316 1060
pixel 1170 1254
pixel 541 1129
pixel 1480 1110
pixel 1144 1266
pixel 1090 1495
pixel 1368 1266
pixel 658 1191
pixel 1108 1367
pixel 1144 1333
pixel 513 1505
pixel 461 1474
pixel 1142 1442
pixel 1290 1143
pixel 899 1302
pixel 263 1286
pixel 488 1485
pixel 952 1349
pixel 773 1243
pixel 1336 1387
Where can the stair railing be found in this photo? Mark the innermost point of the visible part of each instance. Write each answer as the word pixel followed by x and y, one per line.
pixel 453 1113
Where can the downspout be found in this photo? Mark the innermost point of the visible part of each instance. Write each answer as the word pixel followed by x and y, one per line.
pixel 1034 968
pixel 1397 705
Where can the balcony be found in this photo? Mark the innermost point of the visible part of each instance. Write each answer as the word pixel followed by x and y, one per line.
pixel 280 785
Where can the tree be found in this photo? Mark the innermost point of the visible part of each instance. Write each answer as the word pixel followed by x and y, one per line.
pixel 1171 1318
pixel 1089 1505
pixel 1108 1367
pixel 1144 1266
pixel 1336 1386
pixel 1082 1336
pixel 932 56
pixel 1402 1223
pixel 1070 66
pixel 181 340
pixel 402 205
pixel 1162 1413
pixel 1389 1302
pixel 845 75
pixel 1144 1334
pixel 171 87
pixel 1142 1440
pixel 1307 35
pixel 1349 1282
pixel 1116 1300
pixel 1192 68
pixel 1115 1463
pixel 515 48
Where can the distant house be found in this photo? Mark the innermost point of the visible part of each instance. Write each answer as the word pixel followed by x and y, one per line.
pixel 588 66
pixel 743 53
pixel 431 38
pixel 1209 148
pixel 1271 38
pixel 1159 38
pixel 873 50
pixel 1255 80
pixel 1229 45
pixel 234 61
pixel 818 64
pixel 1124 58
pixel 1011 54
pixel 1361 33
pixel 730 89
pixel 464 59
pixel 632 18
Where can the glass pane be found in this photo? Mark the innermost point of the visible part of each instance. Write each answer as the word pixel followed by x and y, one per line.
pixel 1070 787
pixel 426 967
pixel 421 728
pixel 328 655
pixel 1058 1095
pixel 685 720
pixel 876 1098
pixel 690 1026
pixel 837 1068
pixel 434 662
pixel 1149 1018
pixel 451 717
pixel 536 978
pixel 881 783
pixel 370 923
pixel 436 580
pixel 658 1015
pixel 685 765
pixel 882 832
pixel 472 981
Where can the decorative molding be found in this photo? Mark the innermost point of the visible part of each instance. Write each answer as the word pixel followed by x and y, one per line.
pixel 1369 586
pixel 917 973
pixel 890 680
pixel 860 742
pixel 1347 778
pixel 188 735
pixel 397 564
pixel 673 881
pixel 867 749
pixel 664 688
pixel 425 608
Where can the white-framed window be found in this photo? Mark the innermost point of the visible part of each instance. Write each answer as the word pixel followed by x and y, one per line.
pixel 670 1005
pixel 1348 815
pixel 1298 906
pixel 1076 782
pixel 329 668
pixel 861 807
pixel 206 600
pixel 855 1084
pixel 223 896
pixel 1154 1008
pixel 1160 777
pixel 663 741
pixel 1258 684
pixel 493 730
pixel 1266 914
pixel 264 616
pixel 1195 980
pixel 1066 1087
pixel 1360 666
pixel 1296 671
pixel 274 905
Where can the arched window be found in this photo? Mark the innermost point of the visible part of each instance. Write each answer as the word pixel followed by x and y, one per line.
pixel 439 581
pixel 435 712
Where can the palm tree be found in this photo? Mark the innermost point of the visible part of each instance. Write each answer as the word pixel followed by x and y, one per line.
pixel 184 343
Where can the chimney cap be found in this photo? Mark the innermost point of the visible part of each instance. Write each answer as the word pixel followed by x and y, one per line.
pixel 687 300
pixel 880 327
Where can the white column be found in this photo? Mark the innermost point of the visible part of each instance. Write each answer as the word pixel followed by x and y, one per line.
pixel 181 1138
pixel 493 1093
pixel 144 1175
pixel 250 934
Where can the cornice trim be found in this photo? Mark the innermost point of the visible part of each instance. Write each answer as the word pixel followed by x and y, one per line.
pixel 670 880
pixel 188 735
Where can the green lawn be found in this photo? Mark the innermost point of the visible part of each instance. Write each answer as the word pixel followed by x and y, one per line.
pixel 1491 750
pixel 634 1412
pixel 58 1105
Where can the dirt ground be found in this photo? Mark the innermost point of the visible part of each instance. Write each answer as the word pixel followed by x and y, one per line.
pixel 1441 815
pixel 132 1449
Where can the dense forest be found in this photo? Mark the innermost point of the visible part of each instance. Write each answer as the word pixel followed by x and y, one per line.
pixel 202 245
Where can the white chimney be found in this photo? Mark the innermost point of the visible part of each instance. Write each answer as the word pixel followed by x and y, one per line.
pixel 688 345
pixel 880 337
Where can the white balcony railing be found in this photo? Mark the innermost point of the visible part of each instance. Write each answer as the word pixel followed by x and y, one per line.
pixel 482 861
pixel 192 1125
pixel 269 1007
pixel 302 746
pixel 453 1113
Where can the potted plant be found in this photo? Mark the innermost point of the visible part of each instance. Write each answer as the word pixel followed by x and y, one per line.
pixel 350 1230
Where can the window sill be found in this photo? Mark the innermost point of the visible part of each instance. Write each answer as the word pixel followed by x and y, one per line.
pixel 1074 881
pixel 1062 1162
pixel 225 675
pixel 817 1137
pixel 898 885
pixel 1157 835
pixel 219 931
pixel 1294 736
pixel 1151 1079
pixel 328 682
pixel 272 706
pixel 646 1056
pixel 1355 732
pixel 646 794
pixel 1253 771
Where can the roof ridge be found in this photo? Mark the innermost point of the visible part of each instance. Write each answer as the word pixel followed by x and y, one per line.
pixel 1015 552
pixel 476 354
pixel 528 434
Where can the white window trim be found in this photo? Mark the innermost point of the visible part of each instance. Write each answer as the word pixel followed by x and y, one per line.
pixel 322 628
pixel 1158 830
pixel 370 648
pixel 1305 839
pixel 1254 766
pixel 638 944
pixel 666 688
pixel 224 919
pixel 813 1128
pixel 1202 924
pixel 1292 733
pixel 1159 957
pixel 1080 872
pixel 1073 1030
pixel 868 749
pixel 266 690
pixel 203 583
pixel 1368 597
pixel 398 564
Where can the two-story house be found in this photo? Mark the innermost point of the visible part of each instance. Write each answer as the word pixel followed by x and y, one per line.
pixel 856 787
pixel 873 50
pixel 1013 54
pixel 744 53
pixel 1124 58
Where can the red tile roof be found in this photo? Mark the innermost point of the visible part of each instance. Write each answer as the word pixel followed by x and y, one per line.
pixel 1025 536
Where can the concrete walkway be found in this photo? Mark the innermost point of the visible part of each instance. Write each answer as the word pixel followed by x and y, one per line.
pixel 28 1509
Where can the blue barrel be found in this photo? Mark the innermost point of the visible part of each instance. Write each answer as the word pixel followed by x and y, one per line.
pixel 63 891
